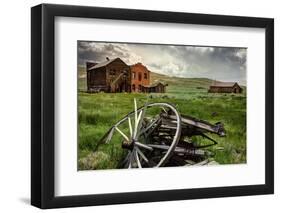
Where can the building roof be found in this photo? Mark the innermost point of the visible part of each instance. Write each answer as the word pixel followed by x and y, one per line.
pixel 223 84
pixel 103 64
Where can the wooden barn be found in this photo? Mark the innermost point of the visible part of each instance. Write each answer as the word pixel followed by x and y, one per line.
pixel 109 76
pixel 158 87
pixel 140 77
pixel 225 87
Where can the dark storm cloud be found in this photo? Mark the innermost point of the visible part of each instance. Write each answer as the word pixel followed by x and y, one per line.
pixel 230 56
pixel 97 52
pixel 225 64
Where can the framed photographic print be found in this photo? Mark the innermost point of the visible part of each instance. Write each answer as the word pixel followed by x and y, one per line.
pixel 140 106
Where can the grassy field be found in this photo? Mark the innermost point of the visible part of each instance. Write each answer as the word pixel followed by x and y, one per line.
pixel 98 112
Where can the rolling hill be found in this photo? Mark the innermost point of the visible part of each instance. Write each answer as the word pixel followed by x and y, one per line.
pixel 187 82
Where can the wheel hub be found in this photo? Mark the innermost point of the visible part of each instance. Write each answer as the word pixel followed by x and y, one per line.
pixel 128 144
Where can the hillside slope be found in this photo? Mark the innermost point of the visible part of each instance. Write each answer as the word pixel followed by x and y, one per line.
pixel 186 82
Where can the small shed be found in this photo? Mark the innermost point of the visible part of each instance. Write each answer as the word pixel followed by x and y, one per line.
pixel 158 87
pixel 225 87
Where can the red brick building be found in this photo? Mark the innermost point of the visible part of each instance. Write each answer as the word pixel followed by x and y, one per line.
pixel 140 77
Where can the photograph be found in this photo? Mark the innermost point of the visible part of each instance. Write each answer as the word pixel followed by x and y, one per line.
pixel 160 105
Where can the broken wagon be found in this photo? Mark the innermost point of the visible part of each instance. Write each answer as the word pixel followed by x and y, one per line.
pixel 157 135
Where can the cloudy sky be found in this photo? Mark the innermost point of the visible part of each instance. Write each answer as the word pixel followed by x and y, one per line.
pixel 218 63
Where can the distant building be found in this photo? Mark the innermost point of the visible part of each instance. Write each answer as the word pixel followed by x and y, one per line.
pixel 225 87
pixel 140 77
pixel 109 76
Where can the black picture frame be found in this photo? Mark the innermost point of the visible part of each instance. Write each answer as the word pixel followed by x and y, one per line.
pixel 43 105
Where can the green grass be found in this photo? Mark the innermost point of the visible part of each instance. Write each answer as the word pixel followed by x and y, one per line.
pixel 98 112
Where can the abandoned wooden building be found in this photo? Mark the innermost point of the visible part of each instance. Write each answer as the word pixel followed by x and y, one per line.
pixel 225 87
pixel 140 77
pixel 109 76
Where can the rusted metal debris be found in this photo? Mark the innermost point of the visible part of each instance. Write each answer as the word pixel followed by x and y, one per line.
pixel 157 135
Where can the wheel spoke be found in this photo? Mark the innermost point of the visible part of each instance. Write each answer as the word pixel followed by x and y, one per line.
pixel 137 124
pixel 109 135
pixel 141 154
pixel 159 146
pixel 130 126
pixel 143 146
pixel 126 160
pixel 149 126
pixel 137 159
pixel 130 161
pixel 136 116
pixel 124 136
pixel 141 120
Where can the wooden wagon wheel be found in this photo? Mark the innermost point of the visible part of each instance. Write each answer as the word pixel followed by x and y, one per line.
pixel 138 135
